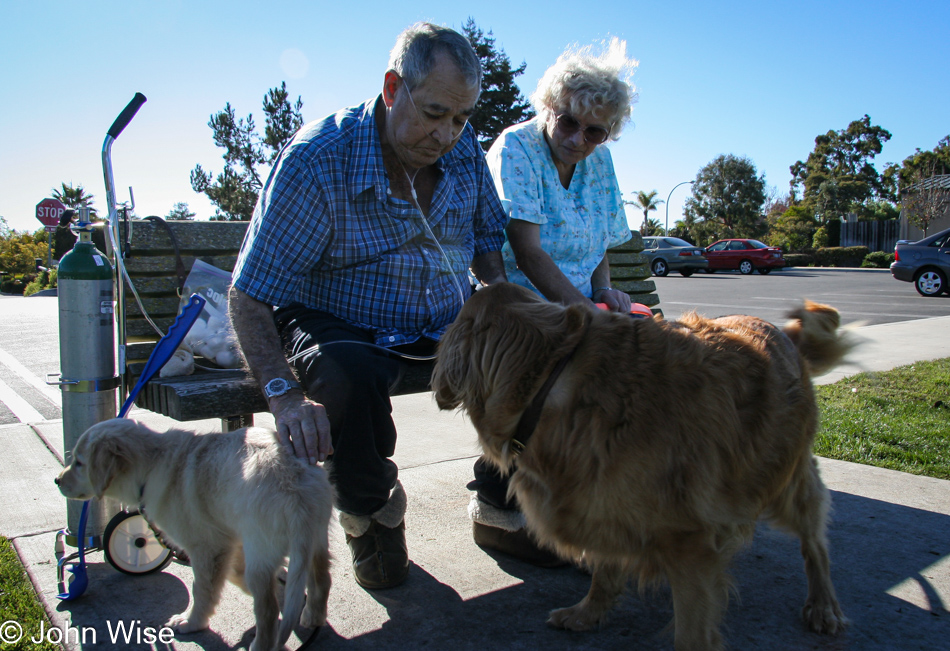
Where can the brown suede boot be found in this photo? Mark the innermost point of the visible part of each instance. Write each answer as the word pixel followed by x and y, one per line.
pixel 377 543
pixel 380 556
pixel 503 530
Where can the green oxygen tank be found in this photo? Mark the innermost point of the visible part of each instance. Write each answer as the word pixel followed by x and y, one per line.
pixel 87 362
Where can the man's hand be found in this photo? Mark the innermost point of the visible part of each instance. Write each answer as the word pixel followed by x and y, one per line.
pixel 302 426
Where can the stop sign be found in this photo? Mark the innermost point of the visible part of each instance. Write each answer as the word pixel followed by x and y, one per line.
pixel 49 211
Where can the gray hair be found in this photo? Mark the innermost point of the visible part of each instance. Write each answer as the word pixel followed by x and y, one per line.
pixel 413 56
pixel 584 83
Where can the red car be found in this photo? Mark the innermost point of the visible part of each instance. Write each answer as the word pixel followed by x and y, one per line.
pixel 745 255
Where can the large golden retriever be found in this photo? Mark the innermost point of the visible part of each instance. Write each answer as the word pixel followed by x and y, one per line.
pixel 236 502
pixel 658 446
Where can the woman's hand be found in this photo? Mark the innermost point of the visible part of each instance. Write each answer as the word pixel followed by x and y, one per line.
pixel 614 299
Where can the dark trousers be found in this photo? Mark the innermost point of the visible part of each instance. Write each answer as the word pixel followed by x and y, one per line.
pixel 490 486
pixel 354 383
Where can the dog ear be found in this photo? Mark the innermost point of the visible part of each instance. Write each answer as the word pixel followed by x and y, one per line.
pixel 109 456
pixel 451 373
pixel 814 329
pixel 576 320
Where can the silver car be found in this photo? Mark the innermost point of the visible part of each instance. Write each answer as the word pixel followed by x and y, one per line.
pixel 926 263
pixel 668 254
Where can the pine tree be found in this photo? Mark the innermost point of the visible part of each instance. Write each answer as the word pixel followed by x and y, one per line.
pixel 235 191
pixel 501 103
pixel 180 212
pixel 838 176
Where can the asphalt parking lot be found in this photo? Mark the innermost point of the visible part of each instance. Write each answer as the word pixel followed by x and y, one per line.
pixel 29 327
pixel 865 296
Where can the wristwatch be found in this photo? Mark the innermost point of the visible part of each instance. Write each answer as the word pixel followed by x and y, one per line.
pixel 279 386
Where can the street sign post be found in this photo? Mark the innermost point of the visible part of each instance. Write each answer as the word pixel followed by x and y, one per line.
pixel 49 211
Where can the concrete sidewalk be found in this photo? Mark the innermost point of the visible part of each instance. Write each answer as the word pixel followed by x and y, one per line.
pixel 890 545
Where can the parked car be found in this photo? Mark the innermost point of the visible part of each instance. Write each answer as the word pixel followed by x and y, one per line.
pixel 668 254
pixel 745 255
pixel 926 263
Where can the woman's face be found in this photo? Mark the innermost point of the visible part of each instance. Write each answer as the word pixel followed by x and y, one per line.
pixel 572 138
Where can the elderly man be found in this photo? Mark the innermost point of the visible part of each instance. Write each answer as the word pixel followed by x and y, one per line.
pixel 362 240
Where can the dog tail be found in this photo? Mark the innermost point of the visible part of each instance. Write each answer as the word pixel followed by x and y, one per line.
pixel 301 555
pixel 815 330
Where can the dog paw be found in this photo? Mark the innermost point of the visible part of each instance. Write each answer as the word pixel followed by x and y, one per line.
pixel 313 619
pixel 575 618
pixel 182 623
pixel 824 618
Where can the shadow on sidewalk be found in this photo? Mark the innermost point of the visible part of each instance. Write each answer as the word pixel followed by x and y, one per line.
pixel 890 565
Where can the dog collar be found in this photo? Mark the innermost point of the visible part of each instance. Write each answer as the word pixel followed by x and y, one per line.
pixel 530 417
pixel 159 534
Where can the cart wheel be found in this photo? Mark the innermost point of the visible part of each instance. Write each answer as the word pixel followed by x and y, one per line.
pixel 132 547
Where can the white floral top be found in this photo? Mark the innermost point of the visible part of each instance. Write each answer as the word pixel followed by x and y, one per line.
pixel 578 224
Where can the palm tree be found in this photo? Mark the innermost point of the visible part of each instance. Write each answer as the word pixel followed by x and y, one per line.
pixel 686 228
pixel 652 227
pixel 646 201
pixel 74 197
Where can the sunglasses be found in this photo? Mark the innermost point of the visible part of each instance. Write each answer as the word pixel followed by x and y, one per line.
pixel 567 125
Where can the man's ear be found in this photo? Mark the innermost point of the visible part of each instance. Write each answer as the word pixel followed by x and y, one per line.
pixel 391 83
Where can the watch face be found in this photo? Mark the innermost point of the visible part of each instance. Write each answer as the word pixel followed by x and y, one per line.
pixel 276 387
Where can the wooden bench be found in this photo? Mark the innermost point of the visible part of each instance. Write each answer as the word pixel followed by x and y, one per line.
pixel 234 395
pixel 150 259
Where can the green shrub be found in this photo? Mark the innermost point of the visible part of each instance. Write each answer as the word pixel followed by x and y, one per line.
pixel 878 260
pixel 799 260
pixel 33 287
pixel 46 280
pixel 820 239
pixel 793 230
pixel 841 256
pixel 12 286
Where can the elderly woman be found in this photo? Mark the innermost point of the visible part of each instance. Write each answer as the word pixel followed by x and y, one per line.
pixel 557 183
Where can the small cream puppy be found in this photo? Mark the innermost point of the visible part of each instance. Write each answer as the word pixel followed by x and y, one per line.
pixel 236 502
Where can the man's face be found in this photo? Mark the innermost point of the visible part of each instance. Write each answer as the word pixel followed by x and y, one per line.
pixel 426 124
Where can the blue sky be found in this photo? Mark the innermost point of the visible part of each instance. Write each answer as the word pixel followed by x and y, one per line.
pixel 750 78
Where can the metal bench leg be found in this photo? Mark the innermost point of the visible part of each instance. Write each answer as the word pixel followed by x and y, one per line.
pixel 232 423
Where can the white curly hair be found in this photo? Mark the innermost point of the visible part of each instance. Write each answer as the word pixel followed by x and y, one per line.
pixel 588 82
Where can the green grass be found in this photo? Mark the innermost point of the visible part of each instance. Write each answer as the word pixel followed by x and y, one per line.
pixel 18 602
pixel 889 419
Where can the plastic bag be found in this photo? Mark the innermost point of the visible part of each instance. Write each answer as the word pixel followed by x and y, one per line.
pixel 211 336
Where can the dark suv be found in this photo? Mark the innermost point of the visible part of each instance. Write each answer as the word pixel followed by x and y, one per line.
pixel 926 263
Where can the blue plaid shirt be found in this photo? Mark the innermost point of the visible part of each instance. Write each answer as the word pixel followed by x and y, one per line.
pixel 327 234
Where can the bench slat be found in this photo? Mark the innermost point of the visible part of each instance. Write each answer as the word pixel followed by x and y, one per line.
pixel 143 266
pixel 221 394
pixel 198 237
